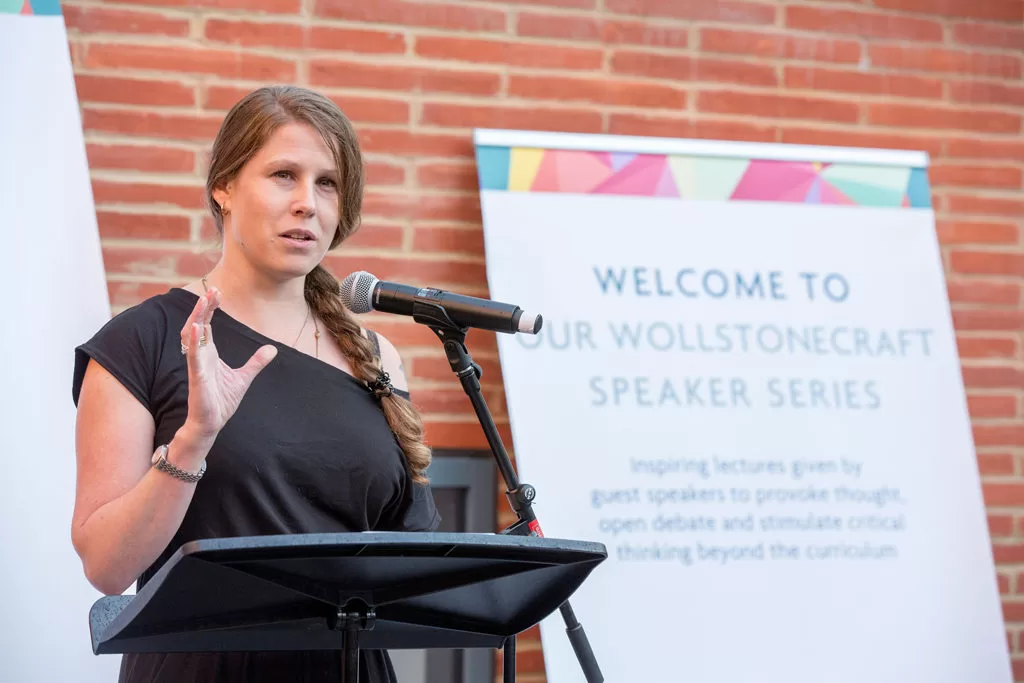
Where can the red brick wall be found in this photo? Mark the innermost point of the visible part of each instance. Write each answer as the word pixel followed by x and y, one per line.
pixel 156 76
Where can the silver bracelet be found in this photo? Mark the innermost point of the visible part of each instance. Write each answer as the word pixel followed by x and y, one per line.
pixel 161 463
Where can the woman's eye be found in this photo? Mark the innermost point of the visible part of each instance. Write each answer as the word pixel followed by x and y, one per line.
pixel 329 182
pixel 283 174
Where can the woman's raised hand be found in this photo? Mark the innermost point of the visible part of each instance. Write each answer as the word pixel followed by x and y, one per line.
pixel 214 389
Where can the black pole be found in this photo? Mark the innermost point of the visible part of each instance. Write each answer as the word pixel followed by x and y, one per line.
pixel 520 496
pixel 508 661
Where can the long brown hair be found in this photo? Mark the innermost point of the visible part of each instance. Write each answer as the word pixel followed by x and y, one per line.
pixel 244 131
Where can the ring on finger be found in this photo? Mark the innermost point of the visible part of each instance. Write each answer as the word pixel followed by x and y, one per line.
pixel 202 343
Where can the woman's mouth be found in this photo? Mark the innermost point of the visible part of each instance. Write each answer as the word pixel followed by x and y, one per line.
pixel 299 238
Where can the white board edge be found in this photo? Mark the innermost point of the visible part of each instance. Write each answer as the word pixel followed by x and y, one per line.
pixel 491 137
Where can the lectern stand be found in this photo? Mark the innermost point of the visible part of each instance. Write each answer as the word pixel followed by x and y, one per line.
pixel 345 592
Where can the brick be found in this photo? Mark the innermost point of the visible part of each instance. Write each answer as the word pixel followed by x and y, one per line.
pixel 609 31
pixel 384 173
pixel 862 23
pixel 989 35
pixel 994 377
pixel 447 176
pixel 91 19
pixel 533 55
pixel 419 144
pixel 1008 554
pixel 852 138
pixel 892 85
pixel 985 149
pixel 945 60
pixel 779 46
pixel 915 116
pixel 442 433
pixel 377 234
pixel 596 91
pixel 1000 525
pixel 406 334
pixel 995 464
pixel 373 109
pixel 1004 493
pixel 967 175
pixel 999 435
pixel 117 225
pixel 526 660
pixel 358 108
pixel 298 36
pixel 987 262
pixel 987 347
pixel 988 320
pixel 125 294
pixel 986 205
pixel 686 69
pixel 503 116
pixel 108 89
pixel 403 78
pixel 778 106
pixel 980 92
pixel 420 272
pixel 180 59
pixel 159 262
pixel 146 124
pixel 435 368
pixel 974 292
pixel 413 13
pixel 140 158
pixel 993 10
pixel 1004 589
pixel 962 231
pixel 697 10
pixel 459 240
pixel 454 207
pixel 179 196
pixel 269 6
pixel 566 4
pixel 635 124
pixel 438 402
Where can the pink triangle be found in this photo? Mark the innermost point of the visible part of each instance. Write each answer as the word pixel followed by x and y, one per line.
pixel 27 8
pixel 546 179
pixel 797 193
pixel 768 180
pixel 604 157
pixel 579 171
pixel 639 178
pixel 666 185
pixel 830 195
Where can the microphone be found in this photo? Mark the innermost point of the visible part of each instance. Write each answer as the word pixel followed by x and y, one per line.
pixel 361 292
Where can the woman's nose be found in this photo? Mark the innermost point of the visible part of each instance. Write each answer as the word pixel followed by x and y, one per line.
pixel 305 198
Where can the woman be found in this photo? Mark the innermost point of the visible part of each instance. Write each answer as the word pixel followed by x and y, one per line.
pixel 250 402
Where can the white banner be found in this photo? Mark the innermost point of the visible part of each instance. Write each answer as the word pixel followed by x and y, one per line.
pixel 747 387
pixel 55 297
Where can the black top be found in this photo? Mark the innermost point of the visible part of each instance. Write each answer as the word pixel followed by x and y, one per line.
pixel 308 451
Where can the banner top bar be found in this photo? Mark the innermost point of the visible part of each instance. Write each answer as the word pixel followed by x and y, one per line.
pixel 487 137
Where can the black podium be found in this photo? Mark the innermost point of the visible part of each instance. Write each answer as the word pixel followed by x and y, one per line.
pixel 346 592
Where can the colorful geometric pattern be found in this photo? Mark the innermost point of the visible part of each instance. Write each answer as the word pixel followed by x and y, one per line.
pixel 691 177
pixel 37 7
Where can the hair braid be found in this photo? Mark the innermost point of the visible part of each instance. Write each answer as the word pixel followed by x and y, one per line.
pixel 322 295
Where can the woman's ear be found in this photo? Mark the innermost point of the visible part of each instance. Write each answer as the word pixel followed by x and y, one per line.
pixel 222 195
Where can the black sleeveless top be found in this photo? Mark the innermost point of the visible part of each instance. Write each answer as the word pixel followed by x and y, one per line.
pixel 308 451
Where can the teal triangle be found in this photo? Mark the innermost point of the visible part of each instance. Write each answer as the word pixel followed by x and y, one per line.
pixel 45 7
pixel 918 191
pixel 492 165
pixel 867 195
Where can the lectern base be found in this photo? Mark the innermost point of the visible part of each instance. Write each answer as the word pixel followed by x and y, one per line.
pixel 356 616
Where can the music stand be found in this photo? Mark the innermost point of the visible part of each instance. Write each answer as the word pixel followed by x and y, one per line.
pixel 373 590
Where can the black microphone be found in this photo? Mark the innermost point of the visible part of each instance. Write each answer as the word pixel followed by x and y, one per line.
pixel 361 292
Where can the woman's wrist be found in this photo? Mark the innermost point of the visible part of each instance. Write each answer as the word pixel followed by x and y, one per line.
pixel 188 449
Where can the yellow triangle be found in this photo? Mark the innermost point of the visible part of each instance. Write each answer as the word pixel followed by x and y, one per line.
pixel 523 168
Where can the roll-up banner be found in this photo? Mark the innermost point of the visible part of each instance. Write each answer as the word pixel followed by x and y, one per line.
pixel 747 387
pixel 55 297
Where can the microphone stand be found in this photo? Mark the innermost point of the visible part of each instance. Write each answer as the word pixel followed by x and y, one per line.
pixel 520 495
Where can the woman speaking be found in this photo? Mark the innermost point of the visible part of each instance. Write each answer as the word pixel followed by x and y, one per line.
pixel 250 402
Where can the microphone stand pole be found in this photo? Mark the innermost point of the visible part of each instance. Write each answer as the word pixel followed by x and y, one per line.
pixel 520 496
